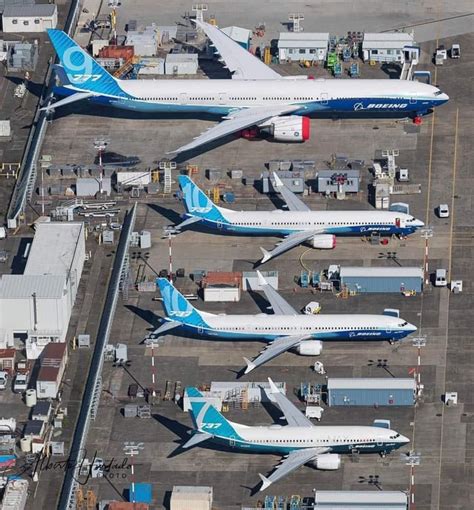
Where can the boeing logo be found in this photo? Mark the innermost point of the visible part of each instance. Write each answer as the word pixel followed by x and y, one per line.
pixel 368 229
pixel 353 334
pixel 380 106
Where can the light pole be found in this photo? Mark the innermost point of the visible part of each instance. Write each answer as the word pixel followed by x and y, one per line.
pixel 100 145
pixel 132 449
pixel 426 233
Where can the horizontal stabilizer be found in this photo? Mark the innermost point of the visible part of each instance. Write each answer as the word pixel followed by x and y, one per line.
pixel 266 255
pixel 198 437
pixel 166 326
pixel 250 365
pixel 79 96
pixel 187 222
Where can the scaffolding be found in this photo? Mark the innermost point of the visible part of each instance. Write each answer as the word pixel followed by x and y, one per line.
pixel 167 167
pixel 296 20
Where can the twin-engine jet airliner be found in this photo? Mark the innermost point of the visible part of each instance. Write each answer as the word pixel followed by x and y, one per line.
pixel 256 96
pixel 300 442
pixel 285 329
pixel 299 224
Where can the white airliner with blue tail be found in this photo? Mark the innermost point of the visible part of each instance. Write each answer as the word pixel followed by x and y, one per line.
pixel 299 224
pixel 299 442
pixel 284 330
pixel 256 96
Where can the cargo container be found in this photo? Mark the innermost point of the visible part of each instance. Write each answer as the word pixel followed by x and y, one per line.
pixel 112 51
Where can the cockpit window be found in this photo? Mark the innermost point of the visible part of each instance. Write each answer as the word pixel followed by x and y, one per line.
pixel 403 324
pixel 438 93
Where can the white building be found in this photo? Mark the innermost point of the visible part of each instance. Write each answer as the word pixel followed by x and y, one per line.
pixel 386 47
pixel 36 306
pixel 29 18
pixel 296 46
pixel 181 63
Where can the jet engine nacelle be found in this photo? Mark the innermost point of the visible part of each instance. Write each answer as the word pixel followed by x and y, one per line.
pixel 288 129
pixel 327 462
pixel 324 241
pixel 309 348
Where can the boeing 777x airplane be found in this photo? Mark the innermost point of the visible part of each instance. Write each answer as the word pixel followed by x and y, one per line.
pixel 256 96
pixel 300 442
pixel 284 330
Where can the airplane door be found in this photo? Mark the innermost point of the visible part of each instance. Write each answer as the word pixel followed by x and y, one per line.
pixel 219 224
pixel 324 98
pixel 222 98
pixel 232 441
pixel 412 100
pixel 200 329
pixel 183 98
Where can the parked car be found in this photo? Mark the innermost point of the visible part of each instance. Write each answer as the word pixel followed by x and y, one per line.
pixel 3 380
pixel 441 278
pixel 443 211
pixel 21 383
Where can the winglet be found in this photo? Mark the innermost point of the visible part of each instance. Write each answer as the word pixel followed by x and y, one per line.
pixel 273 387
pixel 261 278
pixel 265 482
pixel 250 365
pixel 266 255
pixel 278 181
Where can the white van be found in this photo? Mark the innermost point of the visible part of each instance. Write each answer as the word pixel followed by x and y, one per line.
pixel 441 278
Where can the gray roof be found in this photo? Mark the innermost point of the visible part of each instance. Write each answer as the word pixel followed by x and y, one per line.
pixel 53 248
pixel 4 3
pixel 370 497
pixel 389 40
pixel 384 272
pixel 371 383
pixel 303 40
pixel 20 286
pixel 35 10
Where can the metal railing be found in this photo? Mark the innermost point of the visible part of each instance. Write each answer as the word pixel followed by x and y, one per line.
pixel 92 390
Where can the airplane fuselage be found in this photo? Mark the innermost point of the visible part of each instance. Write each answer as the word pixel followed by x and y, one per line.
pixel 285 439
pixel 320 327
pixel 219 97
pixel 279 222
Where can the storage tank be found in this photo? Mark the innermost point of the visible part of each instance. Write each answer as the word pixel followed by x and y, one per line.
pixel 25 444
pixel 30 397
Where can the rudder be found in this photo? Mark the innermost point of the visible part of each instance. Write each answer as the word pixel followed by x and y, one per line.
pixel 82 71
pixel 197 202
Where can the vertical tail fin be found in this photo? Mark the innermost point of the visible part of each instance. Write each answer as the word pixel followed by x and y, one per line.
pixel 82 71
pixel 197 203
pixel 176 306
pixel 207 418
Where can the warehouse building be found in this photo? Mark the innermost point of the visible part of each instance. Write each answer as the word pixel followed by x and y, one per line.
pixel 386 47
pixel 185 497
pixel 361 500
pixel 37 304
pixel 29 18
pixel 371 392
pixel 294 46
pixel 380 279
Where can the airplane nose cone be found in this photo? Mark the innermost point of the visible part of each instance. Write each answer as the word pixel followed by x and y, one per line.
pixel 418 223
pixel 444 97
pixel 411 328
pixel 404 440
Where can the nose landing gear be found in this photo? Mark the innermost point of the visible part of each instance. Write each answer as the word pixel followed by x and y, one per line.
pixel 418 120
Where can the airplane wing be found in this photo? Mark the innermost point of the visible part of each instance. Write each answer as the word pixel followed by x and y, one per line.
pixel 289 242
pixel 292 201
pixel 273 349
pixel 279 305
pixel 292 414
pixel 291 462
pixel 238 60
pixel 236 121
